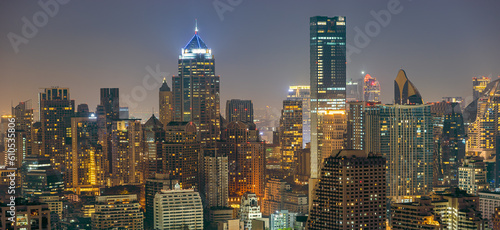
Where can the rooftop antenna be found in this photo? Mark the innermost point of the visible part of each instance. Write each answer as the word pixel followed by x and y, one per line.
pixel 196 26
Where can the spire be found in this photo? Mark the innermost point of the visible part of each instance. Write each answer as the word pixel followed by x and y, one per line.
pixel 196 26
pixel 164 87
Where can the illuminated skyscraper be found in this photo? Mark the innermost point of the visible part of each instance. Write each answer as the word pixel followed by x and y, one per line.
pixel 371 89
pixel 239 110
pixel 359 124
pixel 327 79
pixel 166 104
pixel 478 85
pixel 56 110
pixel 303 93
pixel 196 90
pixel 405 93
pixel 290 135
pixel 154 135
pixel 351 193
pixel 127 164
pixel 23 113
pixel 216 174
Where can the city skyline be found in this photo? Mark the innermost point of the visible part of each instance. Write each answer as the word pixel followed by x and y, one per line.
pixel 71 49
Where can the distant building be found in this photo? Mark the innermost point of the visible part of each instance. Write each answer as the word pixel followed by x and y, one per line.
pixel 40 178
pixel 472 176
pixel 350 193
pixel 405 93
pixel 478 86
pixel 239 110
pixel 153 138
pixel 467 214
pixel 371 89
pixel 303 93
pixel 124 113
pixel 290 135
pixel 127 162
pixel 166 104
pixel 55 205
pixel 415 216
pixel 249 209
pixel 282 220
pixel 354 90
pixel 216 174
pixel 178 209
pixel 117 211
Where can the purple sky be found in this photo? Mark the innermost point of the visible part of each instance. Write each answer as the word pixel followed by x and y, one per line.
pixel 261 47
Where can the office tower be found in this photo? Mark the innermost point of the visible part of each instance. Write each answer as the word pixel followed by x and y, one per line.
pixel 239 110
pixel 28 216
pixel 478 86
pixel 127 163
pixel 327 78
pixel 303 93
pixel 472 175
pixel 85 160
pixel 166 104
pixel 246 155
pixel 449 142
pixel 124 113
pixel 488 202
pixel 405 93
pixel 23 113
pixel 484 126
pixel 249 209
pixel 333 129
pixel 181 154
pixel 406 142
pixel 154 135
pixel 216 174
pixel 56 110
pixel 371 89
pixel 117 212
pixel 110 99
pixel 465 212
pixel 196 90
pixel 415 216
pixel 39 177
pixel 354 90
pixel 153 186
pixel 359 123
pixel 178 209
pixel 351 192
pixel 290 135
pixel 282 220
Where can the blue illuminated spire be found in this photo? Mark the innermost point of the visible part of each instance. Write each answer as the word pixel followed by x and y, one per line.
pixel 196 42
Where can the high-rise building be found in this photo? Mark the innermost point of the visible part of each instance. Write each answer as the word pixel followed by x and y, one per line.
pixel 154 136
pixel 182 156
pixel 249 209
pixel 196 90
pixel 303 93
pixel 23 113
pixel 127 163
pixel 351 193
pixel 117 212
pixel 485 123
pixel 273 199
pixel 478 85
pixel 241 143
pixel 359 123
pixel 39 177
pixel 327 78
pixel 166 104
pixel 371 89
pixel 153 186
pixel 85 160
pixel 110 99
pixel 465 212
pixel 178 209
pixel 415 216
pixel 216 174
pixel 488 202
pixel 405 93
pixel 290 135
pixel 354 90
pixel 333 130
pixel 239 110
pixel 56 110
pixel 406 142
pixel 472 175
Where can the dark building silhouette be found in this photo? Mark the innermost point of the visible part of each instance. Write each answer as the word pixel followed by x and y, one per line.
pixel 239 110
pixel 405 93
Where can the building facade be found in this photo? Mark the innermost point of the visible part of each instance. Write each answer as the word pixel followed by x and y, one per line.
pixel 178 209
pixel 117 211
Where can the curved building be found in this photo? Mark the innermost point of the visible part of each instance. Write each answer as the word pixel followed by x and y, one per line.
pixel 405 93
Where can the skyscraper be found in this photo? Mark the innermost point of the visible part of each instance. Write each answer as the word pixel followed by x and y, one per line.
pixel 127 163
pixel 110 99
pixel 23 113
pixel 405 92
pixel 178 209
pixel 239 110
pixel 371 89
pixel 56 110
pixel 351 193
pixel 196 90
pixel 166 104
pixel 216 174
pixel 154 136
pixel 478 85
pixel 327 78
pixel 303 93
pixel 290 135
pixel 155 185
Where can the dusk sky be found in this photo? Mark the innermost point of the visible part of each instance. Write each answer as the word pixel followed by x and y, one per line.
pixel 260 47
